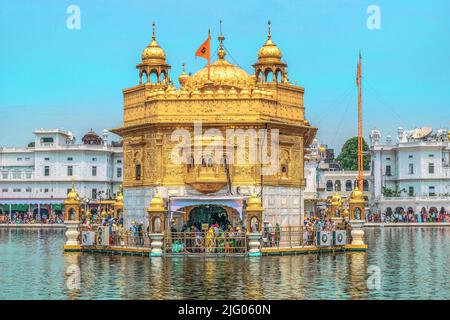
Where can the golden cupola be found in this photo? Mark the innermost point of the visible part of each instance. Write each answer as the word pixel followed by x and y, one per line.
pixel 269 67
pixel 357 195
pixel 72 196
pixel 153 68
pixel 156 204
pixel 183 78
pixel 222 73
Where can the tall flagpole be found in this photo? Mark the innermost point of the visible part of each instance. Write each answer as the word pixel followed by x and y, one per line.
pixel 209 56
pixel 360 129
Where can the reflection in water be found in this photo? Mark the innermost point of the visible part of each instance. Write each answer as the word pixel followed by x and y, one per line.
pixel 414 264
pixel 357 270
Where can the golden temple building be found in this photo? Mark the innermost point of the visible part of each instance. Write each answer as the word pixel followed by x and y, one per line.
pixel 264 112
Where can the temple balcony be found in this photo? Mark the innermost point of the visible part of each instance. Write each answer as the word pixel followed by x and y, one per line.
pixel 206 178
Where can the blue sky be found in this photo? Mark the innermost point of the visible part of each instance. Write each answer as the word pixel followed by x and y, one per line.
pixel 51 76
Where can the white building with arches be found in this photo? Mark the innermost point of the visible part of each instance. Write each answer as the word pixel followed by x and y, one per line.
pixel 37 178
pixel 412 174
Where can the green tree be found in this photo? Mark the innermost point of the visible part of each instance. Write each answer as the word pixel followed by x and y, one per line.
pixel 348 158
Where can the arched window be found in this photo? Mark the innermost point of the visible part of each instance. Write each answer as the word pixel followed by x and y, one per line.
pixel 157 225
pixel 71 214
pixel 399 210
pixel 337 185
pixel 259 76
pixel 278 76
pixel 210 162
pixel 203 162
pixel 389 211
pixel 269 75
pixel 366 185
pixel 284 170
pixel 153 77
pixel 329 185
pixel 190 162
pixel 357 214
pixel 144 77
pixel 254 224
pixel 348 185
pixel 138 171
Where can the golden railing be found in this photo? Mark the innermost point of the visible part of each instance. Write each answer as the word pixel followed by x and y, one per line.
pixel 202 242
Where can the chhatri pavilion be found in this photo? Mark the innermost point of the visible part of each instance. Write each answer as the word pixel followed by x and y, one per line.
pixel 206 188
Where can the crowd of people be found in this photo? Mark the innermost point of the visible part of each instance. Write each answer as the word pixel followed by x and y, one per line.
pixel 408 217
pixel 212 239
pixel 29 218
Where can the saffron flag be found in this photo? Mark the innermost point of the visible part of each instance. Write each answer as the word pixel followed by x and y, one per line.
pixel 204 50
pixel 358 72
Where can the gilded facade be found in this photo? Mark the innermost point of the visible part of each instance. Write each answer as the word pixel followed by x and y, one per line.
pixel 219 99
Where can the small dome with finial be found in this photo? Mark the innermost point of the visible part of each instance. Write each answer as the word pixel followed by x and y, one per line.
pixel 269 51
pixel 183 78
pixel 335 200
pixel 157 203
pixel 153 52
pixel 357 195
pixel 254 203
pixel 72 196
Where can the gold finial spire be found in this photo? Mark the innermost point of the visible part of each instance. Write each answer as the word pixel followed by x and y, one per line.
pixel 269 26
pixel 221 52
pixel 153 31
pixel 184 68
pixel 73 184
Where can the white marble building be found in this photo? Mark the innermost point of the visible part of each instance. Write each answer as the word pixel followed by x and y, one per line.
pixel 324 179
pixel 38 177
pixel 414 172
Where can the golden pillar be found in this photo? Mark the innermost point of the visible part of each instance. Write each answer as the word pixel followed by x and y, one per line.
pixel 72 208
pixel 357 205
pixel 254 225
pixel 253 212
pixel 336 208
pixel 156 221
pixel 357 216
pixel 118 204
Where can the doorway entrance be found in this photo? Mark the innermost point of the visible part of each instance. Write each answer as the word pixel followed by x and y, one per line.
pixel 208 214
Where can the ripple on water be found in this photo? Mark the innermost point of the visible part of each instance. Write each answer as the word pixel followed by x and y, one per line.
pixel 414 264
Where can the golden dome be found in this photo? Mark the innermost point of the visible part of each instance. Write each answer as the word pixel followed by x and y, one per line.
pixel 153 52
pixel 269 51
pixel 72 196
pixel 156 204
pixel 336 198
pixel 322 149
pixel 357 195
pixel 222 72
pixel 254 203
